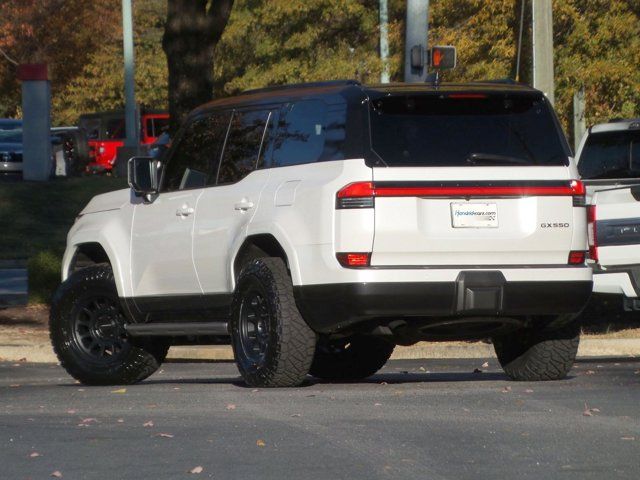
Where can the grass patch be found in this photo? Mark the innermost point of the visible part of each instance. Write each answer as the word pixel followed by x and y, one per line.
pixel 35 218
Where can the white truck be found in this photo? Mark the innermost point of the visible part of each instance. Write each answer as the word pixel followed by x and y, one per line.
pixel 609 163
pixel 316 226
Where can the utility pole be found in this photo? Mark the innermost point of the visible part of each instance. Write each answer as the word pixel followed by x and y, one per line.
pixel 384 40
pixel 543 47
pixel 579 122
pixel 129 78
pixel 417 29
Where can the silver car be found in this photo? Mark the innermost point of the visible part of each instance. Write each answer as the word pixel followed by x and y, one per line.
pixel 10 151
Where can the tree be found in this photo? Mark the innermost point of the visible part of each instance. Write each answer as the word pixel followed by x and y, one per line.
pixel 192 31
pixel 62 33
pixel 99 85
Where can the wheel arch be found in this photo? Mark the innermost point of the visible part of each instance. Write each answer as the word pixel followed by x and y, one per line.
pixel 255 246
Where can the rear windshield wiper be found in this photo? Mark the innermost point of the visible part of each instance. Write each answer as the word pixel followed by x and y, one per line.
pixel 493 159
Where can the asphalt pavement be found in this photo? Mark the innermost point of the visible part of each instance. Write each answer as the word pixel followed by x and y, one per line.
pixel 416 419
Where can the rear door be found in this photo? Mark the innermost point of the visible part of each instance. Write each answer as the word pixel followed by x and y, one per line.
pixel 616 214
pixel 471 180
pixel 225 209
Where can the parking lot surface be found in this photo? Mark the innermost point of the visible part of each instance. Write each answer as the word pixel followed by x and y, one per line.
pixel 427 419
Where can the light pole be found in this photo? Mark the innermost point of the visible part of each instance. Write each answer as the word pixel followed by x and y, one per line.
pixel 384 40
pixel 132 128
pixel 543 47
pixel 415 69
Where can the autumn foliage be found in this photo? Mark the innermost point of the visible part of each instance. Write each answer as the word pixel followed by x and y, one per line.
pixel 266 42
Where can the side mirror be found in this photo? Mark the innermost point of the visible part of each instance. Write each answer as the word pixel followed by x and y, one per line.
pixel 144 175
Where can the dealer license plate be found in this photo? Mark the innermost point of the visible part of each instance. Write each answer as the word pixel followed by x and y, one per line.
pixel 474 215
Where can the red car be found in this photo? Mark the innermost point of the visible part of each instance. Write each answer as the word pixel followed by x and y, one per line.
pixel 106 132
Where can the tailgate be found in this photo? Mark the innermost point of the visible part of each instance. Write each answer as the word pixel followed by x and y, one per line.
pixel 617 226
pixel 474 216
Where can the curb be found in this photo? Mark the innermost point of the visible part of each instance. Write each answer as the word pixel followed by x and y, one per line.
pixel 619 347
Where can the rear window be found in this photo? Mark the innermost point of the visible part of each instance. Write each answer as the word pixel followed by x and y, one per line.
pixel 611 155
pixel 458 129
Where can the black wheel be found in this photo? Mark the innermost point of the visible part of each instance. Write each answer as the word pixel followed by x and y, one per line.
pixel 88 335
pixel 531 356
pixel 350 358
pixel 272 344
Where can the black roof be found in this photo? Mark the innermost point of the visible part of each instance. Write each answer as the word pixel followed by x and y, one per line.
pixel 356 90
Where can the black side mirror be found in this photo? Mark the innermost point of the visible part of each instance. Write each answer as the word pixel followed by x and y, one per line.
pixel 144 175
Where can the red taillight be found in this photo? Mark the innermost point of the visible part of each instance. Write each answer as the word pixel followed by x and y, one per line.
pixel 577 257
pixel 354 260
pixel 361 194
pixel 592 232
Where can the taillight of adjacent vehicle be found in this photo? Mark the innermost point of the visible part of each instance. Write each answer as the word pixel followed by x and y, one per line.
pixel 592 232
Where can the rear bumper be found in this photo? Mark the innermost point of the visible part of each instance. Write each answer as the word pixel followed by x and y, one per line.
pixel 623 280
pixel 333 307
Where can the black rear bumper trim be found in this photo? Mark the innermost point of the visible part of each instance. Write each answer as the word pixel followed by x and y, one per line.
pixel 333 307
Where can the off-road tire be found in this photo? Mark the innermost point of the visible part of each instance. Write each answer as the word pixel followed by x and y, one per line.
pixel 541 356
pixel 288 350
pixel 137 359
pixel 351 359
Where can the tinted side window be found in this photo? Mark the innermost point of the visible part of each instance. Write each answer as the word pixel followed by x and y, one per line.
pixel 115 129
pixel 301 134
pixel 195 159
pixel 608 155
pixel 243 146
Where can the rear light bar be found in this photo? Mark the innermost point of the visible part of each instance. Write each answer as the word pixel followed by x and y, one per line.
pixel 362 194
pixel 354 260
pixel 577 257
pixel 592 232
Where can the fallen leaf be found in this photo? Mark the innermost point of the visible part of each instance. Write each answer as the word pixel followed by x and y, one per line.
pixel 296 415
pixel 466 410
pixel 14 385
pixel 383 383
pixel 422 369
pixel 261 443
pixel 588 412
pixel 231 406
pixel 120 390
pixel 176 388
pixel 628 438
pixel 89 420
pixel 72 412
pixel 120 420
pixel 590 372
pixel 485 365
pixel 255 390
pixel 34 454
pixel 148 423
pixel 506 390
pixel 528 390
pixel 22 360
pixel 595 410
pixel 163 435
pixel 377 404
pixel 56 474
pixel 197 469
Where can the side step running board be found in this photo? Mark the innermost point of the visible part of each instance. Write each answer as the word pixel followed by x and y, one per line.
pixel 177 329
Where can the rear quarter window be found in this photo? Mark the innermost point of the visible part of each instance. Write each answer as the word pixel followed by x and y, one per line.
pixel 610 155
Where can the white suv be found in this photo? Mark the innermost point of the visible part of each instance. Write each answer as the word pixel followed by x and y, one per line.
pixel 316 226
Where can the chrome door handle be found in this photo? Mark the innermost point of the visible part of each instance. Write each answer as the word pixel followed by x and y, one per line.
pixel 243 206
pixel 184 211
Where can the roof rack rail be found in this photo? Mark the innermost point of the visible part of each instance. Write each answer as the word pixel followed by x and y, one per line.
pixel 293 86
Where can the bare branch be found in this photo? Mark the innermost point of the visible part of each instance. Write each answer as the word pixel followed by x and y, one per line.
pixel 9 59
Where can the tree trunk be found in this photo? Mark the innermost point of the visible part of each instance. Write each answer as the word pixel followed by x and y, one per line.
pixel 190 37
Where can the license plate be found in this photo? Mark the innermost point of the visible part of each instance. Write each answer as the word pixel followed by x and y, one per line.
pixel 474 215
